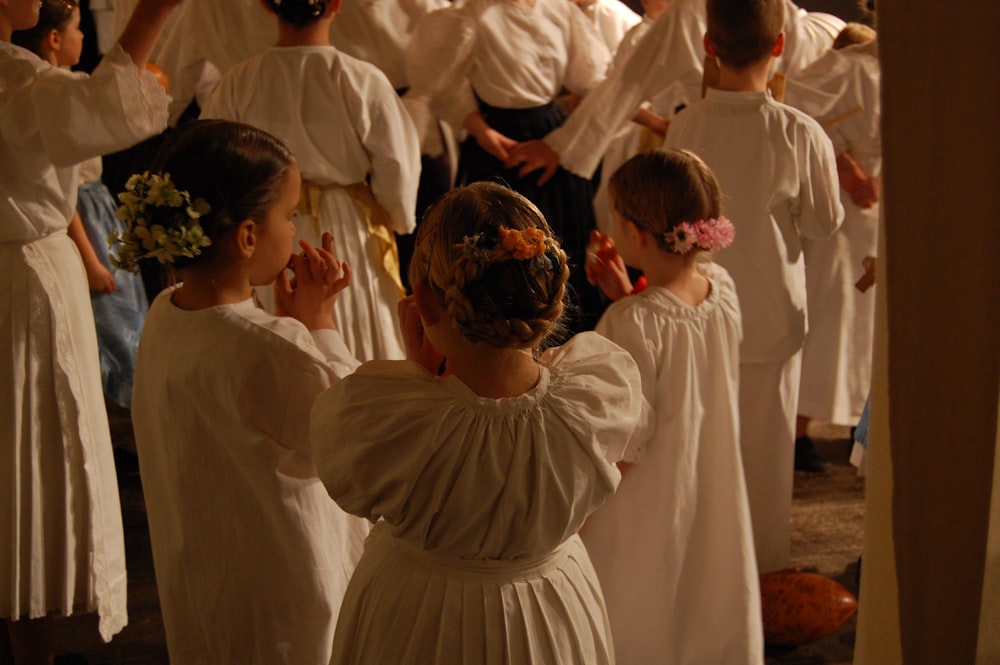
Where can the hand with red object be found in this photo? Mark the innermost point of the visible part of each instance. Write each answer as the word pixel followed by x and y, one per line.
pixel 861 187
pixel 605 267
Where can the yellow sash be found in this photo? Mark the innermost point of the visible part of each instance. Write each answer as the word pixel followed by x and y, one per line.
pixel 376 218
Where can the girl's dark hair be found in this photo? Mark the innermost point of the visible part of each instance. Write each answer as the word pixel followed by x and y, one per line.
pixel 52 15
pixel 236 168
pixel 299 13
pixel 492 297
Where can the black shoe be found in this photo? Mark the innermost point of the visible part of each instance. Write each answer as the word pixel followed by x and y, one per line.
pixel 808 458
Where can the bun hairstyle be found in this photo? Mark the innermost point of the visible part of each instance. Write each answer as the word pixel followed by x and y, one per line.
pixel 491 259
pixel 235 168
pixel 657 190
pixel 298 13
pixel 52 15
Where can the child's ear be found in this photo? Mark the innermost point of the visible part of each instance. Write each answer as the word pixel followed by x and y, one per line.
pixel 779 45
pixel 635 235
pixel 246 238
pixel 709 49
pixel 333 7
pixel 427 303
pixel 52 41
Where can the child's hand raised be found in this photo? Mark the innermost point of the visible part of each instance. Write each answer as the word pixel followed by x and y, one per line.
pixel 605 266
pixel 310 294
pixel 418 348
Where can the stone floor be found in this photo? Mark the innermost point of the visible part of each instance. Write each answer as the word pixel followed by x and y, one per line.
pixel 826 537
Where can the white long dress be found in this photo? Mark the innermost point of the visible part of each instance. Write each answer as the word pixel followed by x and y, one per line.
pixel 63 549
pixel 672 53
pixel 673 547
pixel 836 358
pixel 476 559
pixel 344 123
pixel 252 557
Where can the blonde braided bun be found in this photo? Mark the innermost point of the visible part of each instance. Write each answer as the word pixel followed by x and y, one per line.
pixel 491 296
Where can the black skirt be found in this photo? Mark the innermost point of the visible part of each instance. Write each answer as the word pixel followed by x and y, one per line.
pixel 566 200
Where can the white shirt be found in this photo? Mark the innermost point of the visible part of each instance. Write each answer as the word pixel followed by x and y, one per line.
pixel 778 176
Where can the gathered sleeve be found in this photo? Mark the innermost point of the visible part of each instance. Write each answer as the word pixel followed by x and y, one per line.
pixel 73 117
pixel 372 474
pixel 600 389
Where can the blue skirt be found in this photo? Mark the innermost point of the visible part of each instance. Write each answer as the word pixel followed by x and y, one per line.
pixel 119 316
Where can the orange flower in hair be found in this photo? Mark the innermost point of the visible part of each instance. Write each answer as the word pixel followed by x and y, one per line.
pixel 525 244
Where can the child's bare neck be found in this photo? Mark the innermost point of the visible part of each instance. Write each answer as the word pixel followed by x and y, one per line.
pixel 314 34
pixel 494 373
pixel 679 275
pixel 202 289
pixel 751 78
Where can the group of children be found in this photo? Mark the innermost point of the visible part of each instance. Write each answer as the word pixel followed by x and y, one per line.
pixel 487 498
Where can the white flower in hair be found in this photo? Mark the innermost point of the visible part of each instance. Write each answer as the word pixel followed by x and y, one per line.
pixel 161 221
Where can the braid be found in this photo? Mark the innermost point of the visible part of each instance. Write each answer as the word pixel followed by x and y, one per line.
pixel 491 295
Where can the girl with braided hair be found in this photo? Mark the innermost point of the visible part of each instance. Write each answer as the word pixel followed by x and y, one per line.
pixel 481 478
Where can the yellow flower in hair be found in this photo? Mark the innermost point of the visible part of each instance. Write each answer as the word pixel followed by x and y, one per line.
pixel 525 244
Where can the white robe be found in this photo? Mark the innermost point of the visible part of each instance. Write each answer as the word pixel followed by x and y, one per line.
pixel 342 120
pixel 63 549
pixel 672 52
pixel 836 359
pixel 252 557
pixel 778 176
pixel 476 559
pixel 673 547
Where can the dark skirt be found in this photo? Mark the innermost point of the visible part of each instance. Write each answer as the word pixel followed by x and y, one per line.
pixel 566 200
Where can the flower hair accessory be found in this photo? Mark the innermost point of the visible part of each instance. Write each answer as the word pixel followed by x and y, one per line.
pixel 523 245
pixel 706 234
pixel 161 222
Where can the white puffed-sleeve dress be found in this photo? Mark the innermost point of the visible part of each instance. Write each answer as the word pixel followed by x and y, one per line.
pixel 476 559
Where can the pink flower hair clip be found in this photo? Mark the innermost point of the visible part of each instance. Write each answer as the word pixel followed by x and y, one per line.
pixel 706 234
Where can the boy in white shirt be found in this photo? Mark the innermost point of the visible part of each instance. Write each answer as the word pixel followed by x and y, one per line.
pixel 778 176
